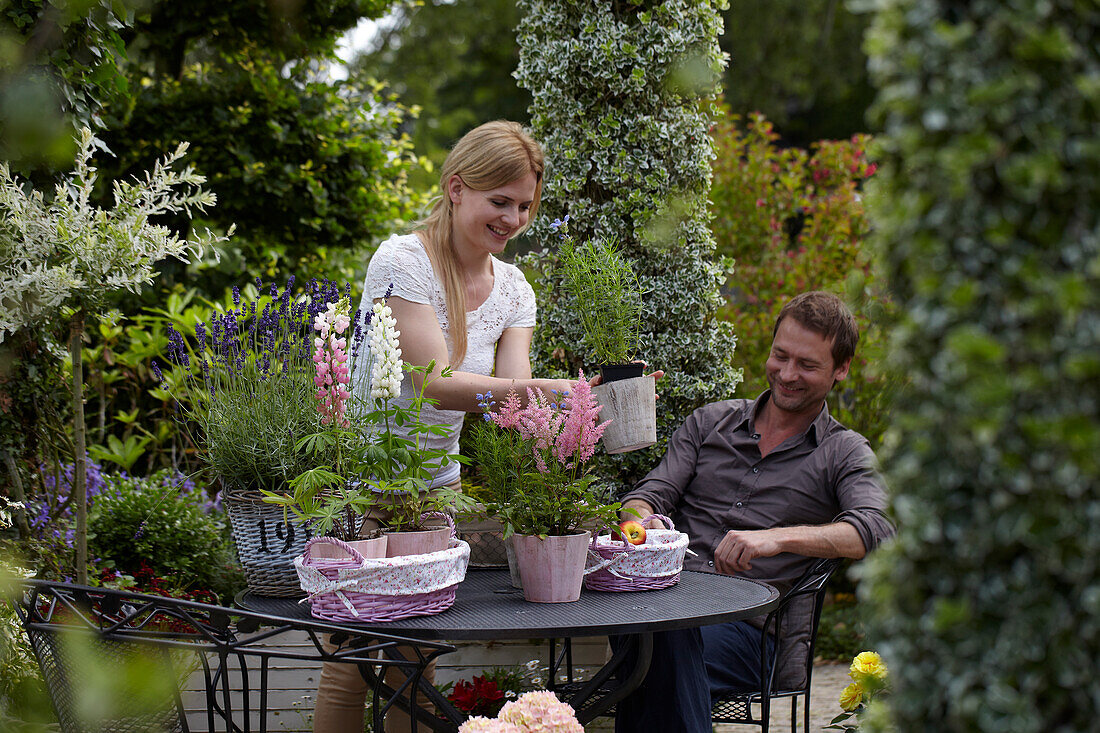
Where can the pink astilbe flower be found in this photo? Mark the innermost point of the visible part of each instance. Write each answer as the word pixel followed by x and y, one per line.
pixel 331 359
pixel 508 416
pixel 576 442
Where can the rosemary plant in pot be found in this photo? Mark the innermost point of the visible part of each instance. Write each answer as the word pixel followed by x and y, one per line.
pixel 609 298
pixel 547 507
pixel 244 390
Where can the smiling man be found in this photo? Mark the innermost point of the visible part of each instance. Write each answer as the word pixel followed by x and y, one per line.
pixel 762 487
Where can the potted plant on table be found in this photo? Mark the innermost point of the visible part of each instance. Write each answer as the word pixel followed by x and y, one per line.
pixel 363 468
pixel 546 509
pixel 608 294
pixel 245 391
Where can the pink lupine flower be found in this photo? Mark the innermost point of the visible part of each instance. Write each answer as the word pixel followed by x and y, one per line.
pixel 331 359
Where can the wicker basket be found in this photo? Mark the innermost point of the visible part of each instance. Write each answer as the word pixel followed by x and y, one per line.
pixel 486 538
pixel 266 543
pixel 380 589
pixel 620 566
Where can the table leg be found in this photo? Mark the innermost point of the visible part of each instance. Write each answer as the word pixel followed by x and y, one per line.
pixel 375 675
pixel 640 646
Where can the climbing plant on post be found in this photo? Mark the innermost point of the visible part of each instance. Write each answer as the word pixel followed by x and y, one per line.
pixel 622 102
pixel 988 604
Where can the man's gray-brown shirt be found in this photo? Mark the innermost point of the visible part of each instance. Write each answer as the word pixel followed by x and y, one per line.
pixel 713 479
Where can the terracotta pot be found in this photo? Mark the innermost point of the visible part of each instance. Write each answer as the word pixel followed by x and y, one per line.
pixel 551 569
pixel 418 543
pixel 631 405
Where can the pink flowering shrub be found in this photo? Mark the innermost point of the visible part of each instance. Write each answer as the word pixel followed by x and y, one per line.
pixel 542 449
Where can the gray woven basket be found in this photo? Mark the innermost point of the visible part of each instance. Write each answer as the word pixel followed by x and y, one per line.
pixel 486 540
pixel 266 543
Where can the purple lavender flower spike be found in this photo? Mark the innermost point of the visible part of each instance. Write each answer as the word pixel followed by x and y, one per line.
pixel 200 335
pixel 236 296
pixel 156 372
pixel 259 284
pixel 389 292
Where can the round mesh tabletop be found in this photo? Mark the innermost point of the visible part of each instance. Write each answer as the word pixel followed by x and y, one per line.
pixel 487 607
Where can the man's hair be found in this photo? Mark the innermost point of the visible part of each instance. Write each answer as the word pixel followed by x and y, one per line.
pixel 824 314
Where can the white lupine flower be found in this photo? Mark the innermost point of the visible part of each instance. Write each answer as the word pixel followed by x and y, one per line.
pixel 386 372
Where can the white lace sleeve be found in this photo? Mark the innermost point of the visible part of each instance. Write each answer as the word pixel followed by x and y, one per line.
pixel 401 261
pixel 522 299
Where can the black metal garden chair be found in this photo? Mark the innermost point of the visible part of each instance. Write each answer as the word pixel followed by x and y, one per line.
pixel 115 661
pixel 738 707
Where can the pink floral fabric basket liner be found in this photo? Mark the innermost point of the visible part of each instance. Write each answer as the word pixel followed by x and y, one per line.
pixel 380 589
pixel 614 565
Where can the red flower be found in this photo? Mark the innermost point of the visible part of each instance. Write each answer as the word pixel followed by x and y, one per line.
pixel 480 696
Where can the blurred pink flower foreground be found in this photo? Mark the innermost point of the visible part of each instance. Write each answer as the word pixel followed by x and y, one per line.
pixel 532 712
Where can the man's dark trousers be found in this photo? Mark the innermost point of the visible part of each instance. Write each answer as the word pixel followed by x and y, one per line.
pixel 688 667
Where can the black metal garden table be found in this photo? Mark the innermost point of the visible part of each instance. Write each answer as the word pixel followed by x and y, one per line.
pixel 487 608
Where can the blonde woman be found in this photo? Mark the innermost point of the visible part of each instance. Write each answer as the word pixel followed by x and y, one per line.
pixel 457 304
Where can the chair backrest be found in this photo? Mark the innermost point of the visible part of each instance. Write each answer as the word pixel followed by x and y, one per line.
pixel 114 661
pixel 794 625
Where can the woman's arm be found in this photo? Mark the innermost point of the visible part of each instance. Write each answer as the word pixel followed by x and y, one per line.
pixel 422 341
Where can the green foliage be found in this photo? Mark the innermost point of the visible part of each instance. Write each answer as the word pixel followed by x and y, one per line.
pixel 454 62
pixel 602 281
pixel 793 221
pixel 173 31
pixel 501 459
pixel 166 523
pixel 988 603
pixel 801 64
pixel 618 105
pixel 33 394
pixel 61 65
pixel 24 704
pixel 310 171
pixel 840 634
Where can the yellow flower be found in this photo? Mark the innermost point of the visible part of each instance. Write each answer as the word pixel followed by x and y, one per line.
pixel 868 664
pixel 851 697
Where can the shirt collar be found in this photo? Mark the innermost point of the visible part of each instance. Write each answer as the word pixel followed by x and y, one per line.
pixel 815 431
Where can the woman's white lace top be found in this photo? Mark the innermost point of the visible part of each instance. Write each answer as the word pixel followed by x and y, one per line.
pixel 403 262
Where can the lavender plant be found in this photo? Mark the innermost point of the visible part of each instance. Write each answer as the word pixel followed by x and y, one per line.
pixel 248 394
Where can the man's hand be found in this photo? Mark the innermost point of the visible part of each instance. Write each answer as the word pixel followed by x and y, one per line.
pixel 739 547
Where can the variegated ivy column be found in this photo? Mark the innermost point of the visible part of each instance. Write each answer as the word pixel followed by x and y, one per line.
pixel 621 105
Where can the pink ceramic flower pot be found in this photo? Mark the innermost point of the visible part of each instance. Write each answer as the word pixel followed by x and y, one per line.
pixel 551 569
pixel 418 543
pixel 371 548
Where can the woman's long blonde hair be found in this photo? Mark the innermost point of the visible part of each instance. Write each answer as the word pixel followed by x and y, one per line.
pixel 487 157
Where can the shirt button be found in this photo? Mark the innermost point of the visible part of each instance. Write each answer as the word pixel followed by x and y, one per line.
pixel 756 436
pixel 739 504
pixel 711 563
pixel 756 470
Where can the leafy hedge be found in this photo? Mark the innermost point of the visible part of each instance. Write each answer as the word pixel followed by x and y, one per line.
pixel 988 605
pixel 793 220
pixel 620 94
